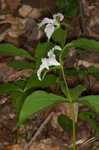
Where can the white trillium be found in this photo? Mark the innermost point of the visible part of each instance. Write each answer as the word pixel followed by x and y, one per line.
pixel 51 24
pixel 58 15
pixel 50 61
pixel 49 30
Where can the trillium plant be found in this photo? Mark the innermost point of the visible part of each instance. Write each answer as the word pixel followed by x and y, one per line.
pixel 53 25
pixel 30 96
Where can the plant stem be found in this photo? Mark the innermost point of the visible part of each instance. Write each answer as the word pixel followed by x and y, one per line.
pixel 72 106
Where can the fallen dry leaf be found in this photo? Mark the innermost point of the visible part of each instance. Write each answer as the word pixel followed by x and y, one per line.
pixel 25 10
pixel 15 147
pixel 35 13
pixel 23 74
pixel 5 71
pixel 17 25
pixel 46 144
pixel 12 5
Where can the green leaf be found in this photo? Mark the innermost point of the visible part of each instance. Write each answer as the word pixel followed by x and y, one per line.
pixel 77 91
pixel 83 52
pixel 18 100
pixel 92 101
pixel 11 50
pixel 42 51
pixel 60 4
pixel 21 65
pixel 86 44
pixel 9 87
pixel 68 7
pixel 87 116
pixel 71 8
pixel 65 122
pixel 36 102
pixel 34 82
pixel 82 73
pixel 93 69
pixel 20 84
pixel 74 92
pixel 59 36
pixel 64 52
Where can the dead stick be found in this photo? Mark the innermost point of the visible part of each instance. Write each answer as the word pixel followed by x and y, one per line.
pixel 27 146
pixel 82 16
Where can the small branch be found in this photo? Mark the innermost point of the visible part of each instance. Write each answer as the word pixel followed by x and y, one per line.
pixel 27 146
pixel 82 5
pixel 90 141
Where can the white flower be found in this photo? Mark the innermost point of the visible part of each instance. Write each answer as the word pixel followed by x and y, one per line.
pixel 49 30
pixel 45 21
pixel 58 15
pixel 50 61
pixel 51 24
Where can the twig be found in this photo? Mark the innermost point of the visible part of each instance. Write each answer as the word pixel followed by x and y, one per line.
pixel 83 142
pixel 92 140
pixel 82 5
pixel 27 146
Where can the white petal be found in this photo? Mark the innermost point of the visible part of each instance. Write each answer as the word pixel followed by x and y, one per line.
pixel 60 15
pixel 52 58
pixel 57 48
pixel 51 53
pixel 50 61
pixel 49 30
pixel 45 21
pixel 55 23
pixel 43 66
pixel 53 62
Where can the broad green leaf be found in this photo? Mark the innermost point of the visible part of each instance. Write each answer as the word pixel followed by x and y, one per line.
pixel 11 50
pixel 9 87
pixel 37 102
pixel 59 36
pixel 68 7
pixel 71 8
pixel 34 82
pixel 18 100
pixel 65 122
pixel 60 4
pixel 87 44
pixel 87 116
pixel 20 84
pixel 93 69
pixel 77 91
pixel 74 92
pixel 21 65
pixel 82 73
pixel 92 101
pixel 42 51
pixel 80 51
pixel 64 52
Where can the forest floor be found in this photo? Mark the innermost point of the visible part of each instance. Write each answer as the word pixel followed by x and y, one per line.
pixel 18 21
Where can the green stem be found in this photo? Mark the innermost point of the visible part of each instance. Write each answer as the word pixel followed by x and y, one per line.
pixel 72 106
